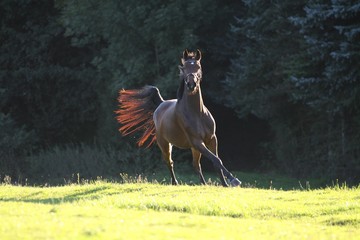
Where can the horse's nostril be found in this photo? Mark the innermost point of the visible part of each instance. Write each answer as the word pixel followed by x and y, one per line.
pixel 190 86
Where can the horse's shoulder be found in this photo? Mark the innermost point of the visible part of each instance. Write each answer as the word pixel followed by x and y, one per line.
pixel 164 109
pixel 208 120
pixel 208 114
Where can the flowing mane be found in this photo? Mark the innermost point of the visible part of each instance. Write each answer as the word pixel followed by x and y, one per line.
pixel 180 90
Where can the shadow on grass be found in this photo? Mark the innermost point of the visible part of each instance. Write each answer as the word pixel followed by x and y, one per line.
pixel 94 193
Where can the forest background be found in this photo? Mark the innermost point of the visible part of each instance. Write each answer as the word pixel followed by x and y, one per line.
pixel 280 77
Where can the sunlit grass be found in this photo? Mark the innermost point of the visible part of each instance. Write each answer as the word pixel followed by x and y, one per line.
pixel 153 211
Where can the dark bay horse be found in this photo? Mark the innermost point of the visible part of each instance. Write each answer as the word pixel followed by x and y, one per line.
pixel 184 122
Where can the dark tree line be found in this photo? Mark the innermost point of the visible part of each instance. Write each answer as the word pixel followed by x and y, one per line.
pixel 294 65
pixel 298 67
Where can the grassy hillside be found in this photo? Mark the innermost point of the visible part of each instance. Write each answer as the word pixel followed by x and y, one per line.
pixel 152 211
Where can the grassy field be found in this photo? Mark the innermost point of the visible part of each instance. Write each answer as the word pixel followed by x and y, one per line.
pixel 102 210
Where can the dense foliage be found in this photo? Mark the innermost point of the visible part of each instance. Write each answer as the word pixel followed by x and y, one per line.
pixel 299 70
pixel 293 65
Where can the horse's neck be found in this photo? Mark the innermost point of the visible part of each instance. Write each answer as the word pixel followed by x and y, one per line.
pixel 193 103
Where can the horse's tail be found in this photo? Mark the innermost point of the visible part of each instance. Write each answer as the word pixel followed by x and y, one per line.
pixel 136 111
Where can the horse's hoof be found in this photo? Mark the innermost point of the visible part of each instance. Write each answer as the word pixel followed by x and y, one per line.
pixel 235 182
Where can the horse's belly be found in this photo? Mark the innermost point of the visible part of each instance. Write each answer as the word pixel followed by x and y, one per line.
pixel 178 139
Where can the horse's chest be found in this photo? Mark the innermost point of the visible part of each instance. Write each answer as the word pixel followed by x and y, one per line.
pixel 199 127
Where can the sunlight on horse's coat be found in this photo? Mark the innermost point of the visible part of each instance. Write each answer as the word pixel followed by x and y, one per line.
pixel 184 122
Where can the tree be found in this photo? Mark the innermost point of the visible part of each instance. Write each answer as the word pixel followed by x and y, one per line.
pixel 265 41
pixel 141 43
pixel 296 68
pixel 258 83
pixel 329 83
pixel 43 87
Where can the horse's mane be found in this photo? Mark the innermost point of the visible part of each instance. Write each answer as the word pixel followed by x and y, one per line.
pixel 180 90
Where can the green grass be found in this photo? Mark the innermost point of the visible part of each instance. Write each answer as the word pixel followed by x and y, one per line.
pixel 253 180
pixel 101 210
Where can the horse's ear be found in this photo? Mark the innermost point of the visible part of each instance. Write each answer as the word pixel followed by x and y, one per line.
pixel 185 54
pixel 182 61
pixel 198 55
pixel 181 68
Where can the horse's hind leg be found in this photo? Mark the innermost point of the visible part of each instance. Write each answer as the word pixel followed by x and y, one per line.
pixel 196 163
pixel 166 148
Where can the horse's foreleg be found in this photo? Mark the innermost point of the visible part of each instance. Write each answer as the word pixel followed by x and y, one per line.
pixel 213 147
pixel 196 163
pixel 200 146
pixel 166 153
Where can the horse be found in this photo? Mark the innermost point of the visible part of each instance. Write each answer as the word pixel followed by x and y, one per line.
pixel 184 122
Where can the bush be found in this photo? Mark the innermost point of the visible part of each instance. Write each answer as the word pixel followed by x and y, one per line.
pixel 72 163
pixel 15 143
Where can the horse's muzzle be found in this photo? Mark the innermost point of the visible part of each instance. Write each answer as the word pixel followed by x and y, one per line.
pixel 190 82
pixel 191 85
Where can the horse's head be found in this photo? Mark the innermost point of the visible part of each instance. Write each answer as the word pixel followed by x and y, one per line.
pixel 190 71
